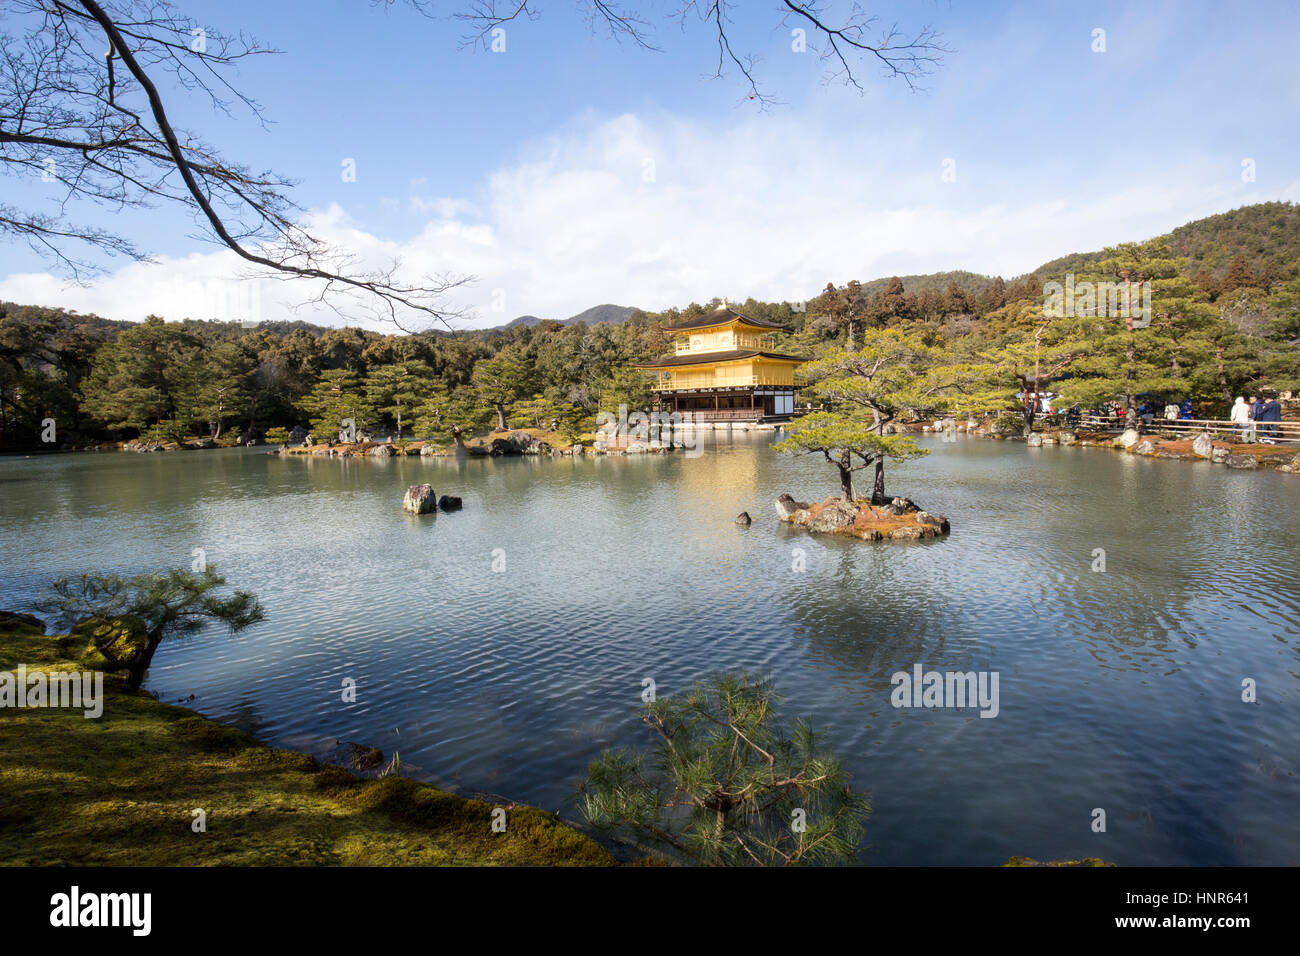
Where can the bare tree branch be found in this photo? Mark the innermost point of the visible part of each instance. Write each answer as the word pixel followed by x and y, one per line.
pixel 67 88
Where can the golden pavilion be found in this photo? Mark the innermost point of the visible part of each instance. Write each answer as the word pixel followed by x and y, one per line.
pixel 725 370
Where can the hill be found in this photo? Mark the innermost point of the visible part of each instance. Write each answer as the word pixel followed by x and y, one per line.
pixel 971 283
pixel 1266 234
pixel 613 314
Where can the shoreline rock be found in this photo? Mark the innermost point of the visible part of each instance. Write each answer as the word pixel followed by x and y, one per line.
pixel 1153 443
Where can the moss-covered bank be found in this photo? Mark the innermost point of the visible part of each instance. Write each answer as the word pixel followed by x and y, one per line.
pixel 121 790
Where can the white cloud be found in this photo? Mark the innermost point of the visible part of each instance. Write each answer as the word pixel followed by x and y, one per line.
pixel 655 211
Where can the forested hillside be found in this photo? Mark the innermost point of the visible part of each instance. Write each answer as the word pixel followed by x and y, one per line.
pixel 1224 317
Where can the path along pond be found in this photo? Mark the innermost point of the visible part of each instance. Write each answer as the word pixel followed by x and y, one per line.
pixel 500 648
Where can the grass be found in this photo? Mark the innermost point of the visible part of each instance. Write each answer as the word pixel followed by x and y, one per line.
pixel 121 790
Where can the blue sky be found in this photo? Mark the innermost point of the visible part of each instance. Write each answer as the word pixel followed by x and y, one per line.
pixel 571 170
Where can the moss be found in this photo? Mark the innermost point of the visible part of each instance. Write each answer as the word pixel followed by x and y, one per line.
pixel 121 790
pixel 1030 861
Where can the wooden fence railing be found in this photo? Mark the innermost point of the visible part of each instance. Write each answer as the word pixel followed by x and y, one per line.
pixel 1249 431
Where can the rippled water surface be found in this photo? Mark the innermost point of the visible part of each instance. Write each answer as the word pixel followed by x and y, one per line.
pixel 1119 690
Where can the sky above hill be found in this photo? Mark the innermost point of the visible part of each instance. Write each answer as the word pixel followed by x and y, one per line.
pixel 570 169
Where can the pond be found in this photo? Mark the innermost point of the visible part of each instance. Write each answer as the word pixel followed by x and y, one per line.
pixel 498 649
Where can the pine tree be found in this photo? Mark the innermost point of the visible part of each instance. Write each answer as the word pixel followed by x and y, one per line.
pixel 500 381
pixel 1239 276
pixel 222 390
pixel 396 390
pixel 1041 351
pixel 893 371
pixel 449 414
pixel 337 397
pixel 127 618
pixel 144 378
pixel 892 305
pixel 730 783
pixel 850 443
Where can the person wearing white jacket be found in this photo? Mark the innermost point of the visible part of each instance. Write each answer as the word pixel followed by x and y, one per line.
pixel 1240 416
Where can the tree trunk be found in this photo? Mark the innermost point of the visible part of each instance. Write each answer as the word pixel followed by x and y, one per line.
pixel 851 335
pixel 501 417
pixel 1132 419
pixel 1223 378
pixel 878 489
pixel 846 479
pixel 138 668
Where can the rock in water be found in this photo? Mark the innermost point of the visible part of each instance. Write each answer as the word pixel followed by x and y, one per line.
pixel 1243 461
pixel 1145 447
pixel 449 503
pixel 1203 445
pixel 1129 438
pixel 1220 455
pixel 934 521
pixel 1034 441
pixel 382 451
pixel 787 506
pixel 835 515
pixel 743 519
pixel 419 500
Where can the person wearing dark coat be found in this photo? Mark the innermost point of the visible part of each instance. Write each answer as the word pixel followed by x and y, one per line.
pixel 1185 409
pixel 1272 412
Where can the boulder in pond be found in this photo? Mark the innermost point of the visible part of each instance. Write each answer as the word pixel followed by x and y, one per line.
pixel 743 519
pixel 1220 455
pixel 1035 440
pixel 1129 438
pixel 449 503
pixel 382 451
pixel 1145 447
pixel 1242 461
pixel 786 507
pixel 419 500
pixel 937 522
pixel 1203 445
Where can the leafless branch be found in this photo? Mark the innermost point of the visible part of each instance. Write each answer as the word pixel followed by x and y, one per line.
pixel 82 111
